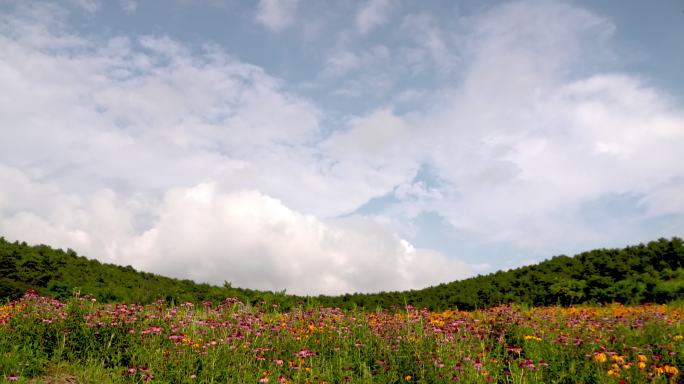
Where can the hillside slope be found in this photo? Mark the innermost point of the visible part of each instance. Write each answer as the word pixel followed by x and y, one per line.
pixel 59 273
pixel 652 272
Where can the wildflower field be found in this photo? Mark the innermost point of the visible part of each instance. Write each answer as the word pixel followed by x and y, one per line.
pixel 45 340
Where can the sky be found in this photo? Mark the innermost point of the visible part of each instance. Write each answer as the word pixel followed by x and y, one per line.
pixel 340 146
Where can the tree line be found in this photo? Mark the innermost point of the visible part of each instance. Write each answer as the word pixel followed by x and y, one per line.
pixel 652 272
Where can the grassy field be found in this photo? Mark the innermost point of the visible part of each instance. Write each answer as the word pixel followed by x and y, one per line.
pixel 44 340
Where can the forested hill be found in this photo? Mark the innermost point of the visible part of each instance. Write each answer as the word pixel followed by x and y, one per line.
pixel 59 273
pixel 652 272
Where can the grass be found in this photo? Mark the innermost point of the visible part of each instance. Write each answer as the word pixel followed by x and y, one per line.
pixel 80 341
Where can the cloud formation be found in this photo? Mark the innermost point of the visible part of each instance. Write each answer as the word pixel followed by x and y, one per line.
pixel 87 5
pixel 244 237
pixel 373 14
pixel 184 160
pixel 157 157
pixel 276 15
pixel 538 142
pixel 129 6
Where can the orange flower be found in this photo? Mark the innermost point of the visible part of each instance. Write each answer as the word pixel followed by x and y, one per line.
pixel 670 370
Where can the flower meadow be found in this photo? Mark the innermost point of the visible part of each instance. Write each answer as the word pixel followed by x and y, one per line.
pixel 81 340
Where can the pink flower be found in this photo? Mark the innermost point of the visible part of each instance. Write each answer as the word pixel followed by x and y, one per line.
pixel 477 364
pixel 12 377
pixel 304 353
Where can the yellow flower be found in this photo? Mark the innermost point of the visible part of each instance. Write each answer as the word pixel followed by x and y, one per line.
pixel 408 378
pixel 614 373
pixel 532 337
pixel 641 365
pixel 642 358
pixel 678 337
pixel 600 357
pixel 617 358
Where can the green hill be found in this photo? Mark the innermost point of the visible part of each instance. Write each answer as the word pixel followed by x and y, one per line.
pixel 652 272
pixel 59 273
pixel 643 273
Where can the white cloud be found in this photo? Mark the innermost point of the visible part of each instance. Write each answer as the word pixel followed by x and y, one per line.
pixel 129 6
pixel 373 14
pixel 525 142
pixel 87 5
pixel 431 45
pixel 377 153
pixel 343 61
pixel 276 15
pixel 190 115
pixel 116 147
pixel 244 237
pixel 254 240
pixel 108 147
pixel 417 190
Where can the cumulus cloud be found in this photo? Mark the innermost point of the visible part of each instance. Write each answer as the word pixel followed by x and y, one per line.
pixel 252 239
pixel 244 237
pixel 276 15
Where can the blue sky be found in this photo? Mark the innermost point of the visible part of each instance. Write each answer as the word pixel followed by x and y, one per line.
pixel 331 147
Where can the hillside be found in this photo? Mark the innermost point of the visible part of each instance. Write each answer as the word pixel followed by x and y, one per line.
pixel 58 273
pixel 643 273
pixel 652 272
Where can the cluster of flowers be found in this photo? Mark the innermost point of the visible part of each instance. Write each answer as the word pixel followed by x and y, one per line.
pixel 406 344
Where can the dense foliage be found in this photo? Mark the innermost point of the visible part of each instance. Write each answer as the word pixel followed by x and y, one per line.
pixel 645 273
pixel 58 273
pixel 652 272
pixel 50 341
